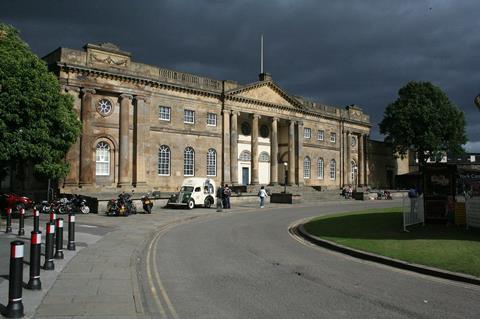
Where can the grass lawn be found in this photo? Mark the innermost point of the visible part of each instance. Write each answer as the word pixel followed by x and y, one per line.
pixel 380 231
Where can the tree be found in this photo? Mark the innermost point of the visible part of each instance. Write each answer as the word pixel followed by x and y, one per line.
pixel 37 123
pixel 423 118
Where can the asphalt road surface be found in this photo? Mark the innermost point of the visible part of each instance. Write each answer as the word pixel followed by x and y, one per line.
pixel 247 265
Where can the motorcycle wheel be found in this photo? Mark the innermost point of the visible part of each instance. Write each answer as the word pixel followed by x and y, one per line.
pixel 62 210
pixel 85 209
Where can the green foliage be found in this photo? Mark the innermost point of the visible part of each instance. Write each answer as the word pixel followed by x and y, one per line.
pixel 37 123
pixel 423 118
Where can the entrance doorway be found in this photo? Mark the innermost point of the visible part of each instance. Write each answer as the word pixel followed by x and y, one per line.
pixel 244 175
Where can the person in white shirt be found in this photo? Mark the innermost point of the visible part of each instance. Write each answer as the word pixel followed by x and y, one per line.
pixel 262 193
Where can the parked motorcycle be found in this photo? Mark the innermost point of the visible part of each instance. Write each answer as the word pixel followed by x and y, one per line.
pixel 63 206
pixel 147 203
pixel 45 207
pixel 79 204
pixel 122 206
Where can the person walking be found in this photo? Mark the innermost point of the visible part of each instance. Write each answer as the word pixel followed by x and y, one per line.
pixel 220 198
pixel 227 192
pixel 262 193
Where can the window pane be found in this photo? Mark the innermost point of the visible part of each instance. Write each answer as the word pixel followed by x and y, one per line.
pixel 306 167
pixel 212 119
pixel 164 161
pixel 320 169
pixel 333 137
pixel 333 168
pixel 189 116
pixel 165 113
pixel 320 135
pixel 307 133
pixel 102 159
pixel 211 162
pixel 188 162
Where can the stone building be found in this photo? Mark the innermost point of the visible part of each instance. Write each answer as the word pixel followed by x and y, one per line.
pixel 149 127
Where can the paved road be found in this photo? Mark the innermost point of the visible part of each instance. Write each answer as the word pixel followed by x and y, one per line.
pixel 246 265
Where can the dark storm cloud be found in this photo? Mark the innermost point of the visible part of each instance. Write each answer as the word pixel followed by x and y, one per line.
pixel 335 52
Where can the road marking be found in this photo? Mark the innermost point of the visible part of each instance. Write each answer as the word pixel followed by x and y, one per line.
pixel 157 276
pixel 87 226
pixel 151 283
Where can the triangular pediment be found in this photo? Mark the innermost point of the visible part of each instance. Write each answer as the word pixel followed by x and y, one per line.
pixel 264 92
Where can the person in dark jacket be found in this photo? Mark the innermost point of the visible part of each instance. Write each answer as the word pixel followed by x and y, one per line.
pixel 227 192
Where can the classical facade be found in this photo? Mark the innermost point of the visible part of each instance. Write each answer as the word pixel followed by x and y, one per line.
pixel 150 127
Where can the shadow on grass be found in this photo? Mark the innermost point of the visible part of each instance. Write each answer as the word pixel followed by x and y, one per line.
pixel 385 225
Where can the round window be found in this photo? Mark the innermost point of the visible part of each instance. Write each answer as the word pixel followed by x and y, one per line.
pixel 104 107
pixel 264 131
pixel 246 129
pixel 354 141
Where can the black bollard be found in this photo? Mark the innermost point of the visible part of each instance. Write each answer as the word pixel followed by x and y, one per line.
pixel 59 239
pixel 14 308
pixel 71 232
pixel 9 220
pixel 35 244
pixel 21 223
pixel 36 220
pixel 53 216
pixel 49 265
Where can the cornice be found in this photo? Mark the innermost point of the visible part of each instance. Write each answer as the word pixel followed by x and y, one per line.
pixel 135 79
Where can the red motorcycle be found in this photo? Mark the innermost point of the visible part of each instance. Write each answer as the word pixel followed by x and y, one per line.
pixel 15 202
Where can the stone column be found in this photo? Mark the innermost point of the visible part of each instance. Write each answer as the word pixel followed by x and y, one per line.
pixel 300 154
pixel 234 148
pixel 345 158
pixel 140 134
pixel 365 161
pixel 73 155
pixel 124 178
pixel 254 159
pixel 360 159
pixel 291 153
pixel 349 157
pixel 87 167
pixel 226 147
pixel 274 153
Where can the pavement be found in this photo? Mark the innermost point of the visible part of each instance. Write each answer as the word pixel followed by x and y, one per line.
pixel 99 279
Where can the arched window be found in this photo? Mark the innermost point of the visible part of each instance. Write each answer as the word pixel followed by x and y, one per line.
pixel 320 168
pixel 333 169
pixel 189 162
pixel 211 162
pixel 164 161
pixel 264 157
pixel 102 159
pixel 353 172
pixel 245 156
pixel 306 167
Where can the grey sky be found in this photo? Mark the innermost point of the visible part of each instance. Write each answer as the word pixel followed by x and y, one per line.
pixel 334 52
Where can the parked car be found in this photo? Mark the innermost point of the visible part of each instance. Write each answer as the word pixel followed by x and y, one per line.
pixel 195 191
pixel 15 202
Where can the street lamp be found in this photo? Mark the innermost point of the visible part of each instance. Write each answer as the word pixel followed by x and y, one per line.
pixel 285 165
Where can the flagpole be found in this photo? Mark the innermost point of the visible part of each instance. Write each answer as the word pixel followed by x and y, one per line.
pixel 261 54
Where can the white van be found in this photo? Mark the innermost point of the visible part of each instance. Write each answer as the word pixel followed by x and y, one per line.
pixel 195 191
